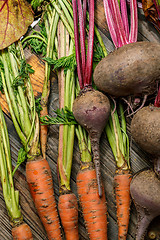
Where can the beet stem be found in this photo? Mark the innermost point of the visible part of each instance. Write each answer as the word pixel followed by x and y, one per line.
pixel 157 100
pixel 76 38
pixel 125 17
pixel 89 64
pixel 134 21
pixel 82 37
pixel 118 22
pixel 84 10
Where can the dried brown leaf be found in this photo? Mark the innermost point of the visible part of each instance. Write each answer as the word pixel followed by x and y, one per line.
pixel 15 17
pixel 150 13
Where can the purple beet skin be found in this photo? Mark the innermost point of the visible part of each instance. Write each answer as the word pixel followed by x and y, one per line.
pixel 91 109
pixel 145 192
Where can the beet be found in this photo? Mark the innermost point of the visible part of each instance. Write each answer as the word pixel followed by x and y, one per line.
pixel 91 109
pixel 145 129
pixel 132 69
pixel 145 192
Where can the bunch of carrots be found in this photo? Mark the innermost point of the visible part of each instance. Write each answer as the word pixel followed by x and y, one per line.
pixel 21 102
pixel 61 23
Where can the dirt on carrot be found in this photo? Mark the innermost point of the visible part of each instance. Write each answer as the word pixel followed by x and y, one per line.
pixel 93 207
pixel 122 181
pixel 22 232
pixel 68 210
pixel 40 182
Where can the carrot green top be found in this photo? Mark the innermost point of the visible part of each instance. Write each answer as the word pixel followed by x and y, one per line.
pixel 11 196
pixel 20 98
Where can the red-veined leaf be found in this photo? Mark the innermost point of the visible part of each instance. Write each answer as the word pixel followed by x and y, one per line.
pixel 16 16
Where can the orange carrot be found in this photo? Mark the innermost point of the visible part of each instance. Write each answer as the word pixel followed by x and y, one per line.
pixel 93 207
pixel 43 130
pixel 122 191
pixel 39 178
pixel 68 210
pixel 22 232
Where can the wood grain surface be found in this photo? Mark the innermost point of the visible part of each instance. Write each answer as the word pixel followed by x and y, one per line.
pixel 139 159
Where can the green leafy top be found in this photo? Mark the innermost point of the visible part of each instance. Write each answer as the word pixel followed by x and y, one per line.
pixel 67 62
pixel 21 158
pixel 64 116
pixel 23 75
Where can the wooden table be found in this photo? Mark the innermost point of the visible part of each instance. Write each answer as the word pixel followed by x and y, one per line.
pixel 139 159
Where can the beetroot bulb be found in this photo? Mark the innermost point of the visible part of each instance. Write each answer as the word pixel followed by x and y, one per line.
pixel 145 188
pixel 145 192
pixel 91 108
pixel 145 130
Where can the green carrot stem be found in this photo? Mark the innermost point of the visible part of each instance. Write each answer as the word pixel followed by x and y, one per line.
pixel 21 103
pixel 118 139
pixel 66 97
pixel 11 196
pixel 9 88
pixel 69 7
pixel 50 45
pixel 118 132
pixel 16 124
pixel 34 36
pixel 112 140
pixel 100 41
pixel 63 18
pixel 84 146
pixel 67 13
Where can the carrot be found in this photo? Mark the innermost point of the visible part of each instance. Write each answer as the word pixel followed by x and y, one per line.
pixel 93 207
pixel 43 130
pixel 117 136
pixel 122 193
pixel 22 108
pixel 68 210
pixel 22 232
pixel 39 178
pixel 67 205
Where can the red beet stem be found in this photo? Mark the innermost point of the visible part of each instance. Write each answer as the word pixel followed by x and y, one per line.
pixel 77 47
pixel 110 22
pixel 125 17
pixel 157 100
pixel 84 68
pixel 82 37
pixel 118 22
pixel 134 22
pixel 88 79
pixel 84 10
